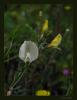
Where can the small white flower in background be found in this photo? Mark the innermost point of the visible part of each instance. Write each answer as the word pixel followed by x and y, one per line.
pixel 28 51
pixel 23 13
pixel 67 30
pixel 40 13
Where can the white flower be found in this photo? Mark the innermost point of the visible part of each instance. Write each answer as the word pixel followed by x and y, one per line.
pixel 28 51
pixel 67 30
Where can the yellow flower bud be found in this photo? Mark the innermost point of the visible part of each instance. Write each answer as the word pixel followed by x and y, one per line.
pixel 43 93
pixel 67 7
pixel 56 41
pixel 45 26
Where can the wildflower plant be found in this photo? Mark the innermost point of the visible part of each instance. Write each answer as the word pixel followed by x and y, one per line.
pixel 36 56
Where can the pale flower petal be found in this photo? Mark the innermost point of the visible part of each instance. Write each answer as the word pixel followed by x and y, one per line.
pixel 28 51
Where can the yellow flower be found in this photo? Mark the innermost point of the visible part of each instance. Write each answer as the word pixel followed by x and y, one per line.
pixel 67 7
pixel 56 41
pixel 43 93
pixel 45 26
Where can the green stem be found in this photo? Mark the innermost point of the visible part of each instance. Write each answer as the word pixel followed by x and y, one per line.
pixel 69 89
pixel 14 33
pixel 20 76
pixel 18 79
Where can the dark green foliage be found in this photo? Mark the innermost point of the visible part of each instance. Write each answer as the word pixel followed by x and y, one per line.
pixel 23 22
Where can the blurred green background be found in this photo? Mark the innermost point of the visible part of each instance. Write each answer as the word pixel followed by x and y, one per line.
pixel 24 22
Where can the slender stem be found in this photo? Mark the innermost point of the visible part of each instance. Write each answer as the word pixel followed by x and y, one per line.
pixel 14 33
pixel 69 88
pixel 18 79
pixel 9 48
pixel 15 79
pixel 20 76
